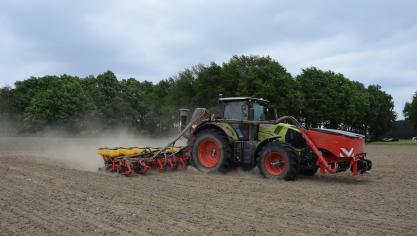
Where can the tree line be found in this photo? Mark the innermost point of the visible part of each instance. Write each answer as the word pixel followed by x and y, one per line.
pixel 318 98
pixel 410 111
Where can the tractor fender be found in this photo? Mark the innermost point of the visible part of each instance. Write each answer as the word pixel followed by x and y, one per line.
pixel 228 133
pixel 263 143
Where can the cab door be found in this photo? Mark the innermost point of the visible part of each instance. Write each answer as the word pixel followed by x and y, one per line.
pixel 238 110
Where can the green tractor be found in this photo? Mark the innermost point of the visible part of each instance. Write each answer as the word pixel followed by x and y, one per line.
pixel 247 135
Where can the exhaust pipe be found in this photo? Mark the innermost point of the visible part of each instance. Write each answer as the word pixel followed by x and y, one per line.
pixel 184 114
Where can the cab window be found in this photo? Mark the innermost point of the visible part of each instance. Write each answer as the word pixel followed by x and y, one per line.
pixel 263 112
pixel 259 112
pixel 236 110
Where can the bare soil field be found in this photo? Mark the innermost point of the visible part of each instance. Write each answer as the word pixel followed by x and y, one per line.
pixel 46 189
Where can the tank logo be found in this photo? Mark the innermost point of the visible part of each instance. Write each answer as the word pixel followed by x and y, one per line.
pixel 346 153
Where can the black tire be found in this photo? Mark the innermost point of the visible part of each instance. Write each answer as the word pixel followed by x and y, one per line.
pixel 223 146
pixel 283 155
pixel 309 172
pixel 307 163
pixel 248 167
pixel 122 170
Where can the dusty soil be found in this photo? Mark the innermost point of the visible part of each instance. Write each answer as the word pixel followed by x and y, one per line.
pixel 42 196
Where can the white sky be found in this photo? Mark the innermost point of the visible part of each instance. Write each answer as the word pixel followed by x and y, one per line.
pixel 374 42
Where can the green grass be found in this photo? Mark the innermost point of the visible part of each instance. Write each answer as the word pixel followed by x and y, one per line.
pixel 401 142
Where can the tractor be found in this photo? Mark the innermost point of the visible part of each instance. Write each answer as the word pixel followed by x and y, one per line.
pixel 247 134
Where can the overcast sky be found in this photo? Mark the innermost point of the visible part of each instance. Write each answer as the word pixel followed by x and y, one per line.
pixel 374 42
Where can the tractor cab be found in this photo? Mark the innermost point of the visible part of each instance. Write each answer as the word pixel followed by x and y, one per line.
pixel 246 109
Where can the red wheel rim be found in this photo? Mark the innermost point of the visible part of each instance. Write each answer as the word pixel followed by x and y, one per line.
pixel 209 153
pixel 275 164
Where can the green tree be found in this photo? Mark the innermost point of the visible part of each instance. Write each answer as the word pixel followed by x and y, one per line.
pixel 325 97
pixel 105 91
pixel 6 123
pixel 261 77
pixel 62 104
pixel 5 94
pixel 319 98
pixel 381 115
pixel 208 86
pixel 355 107
pixel 410 111
pixel 24 92
pixel 181 89
pixel 333 101
pixel 133 106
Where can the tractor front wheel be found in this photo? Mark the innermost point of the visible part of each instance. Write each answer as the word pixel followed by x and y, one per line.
pixel 210 151
pixel 278 161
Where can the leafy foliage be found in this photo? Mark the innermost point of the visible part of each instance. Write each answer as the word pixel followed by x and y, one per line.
pixel 319 98
pixel 60 102
pixel 410 111
pixel 381 115
pixel 331 100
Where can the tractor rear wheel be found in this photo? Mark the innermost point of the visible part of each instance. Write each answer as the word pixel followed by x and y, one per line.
pixel 211 151
pixel 309 171
pixel 278 161
pixel 308 166
pixel 247 167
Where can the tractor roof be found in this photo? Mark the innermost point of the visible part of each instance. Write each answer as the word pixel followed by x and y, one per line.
pixel 230 99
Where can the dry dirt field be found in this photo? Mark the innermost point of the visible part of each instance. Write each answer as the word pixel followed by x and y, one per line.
pixel 46 191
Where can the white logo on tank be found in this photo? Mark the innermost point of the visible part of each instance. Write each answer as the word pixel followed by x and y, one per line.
pixel 346 153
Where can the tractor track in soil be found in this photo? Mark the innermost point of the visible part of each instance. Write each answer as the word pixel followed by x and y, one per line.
pixel 39 197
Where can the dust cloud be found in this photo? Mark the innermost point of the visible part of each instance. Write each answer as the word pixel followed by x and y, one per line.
pixel 77 153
